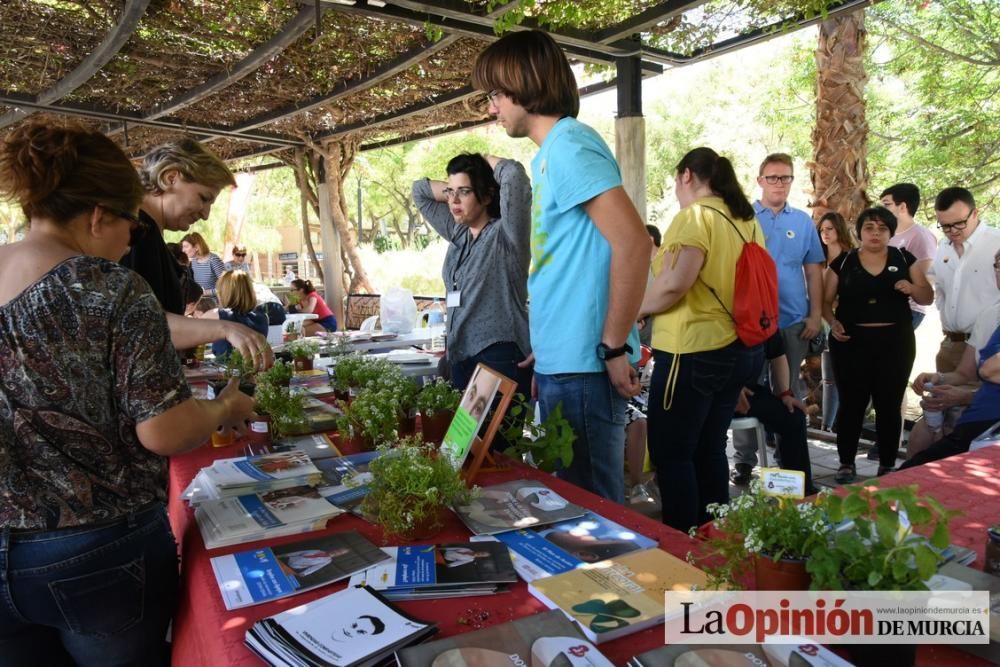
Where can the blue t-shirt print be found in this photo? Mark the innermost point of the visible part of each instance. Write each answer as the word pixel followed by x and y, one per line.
pixel 568 281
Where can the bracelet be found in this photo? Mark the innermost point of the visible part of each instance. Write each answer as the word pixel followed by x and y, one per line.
pixel 787 392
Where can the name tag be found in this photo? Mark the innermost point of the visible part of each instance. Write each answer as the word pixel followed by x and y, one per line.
pixel 454 299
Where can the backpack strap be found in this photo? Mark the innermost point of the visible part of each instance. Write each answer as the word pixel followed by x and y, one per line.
pixel 745 241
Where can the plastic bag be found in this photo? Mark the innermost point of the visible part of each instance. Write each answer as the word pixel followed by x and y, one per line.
pixel 397 310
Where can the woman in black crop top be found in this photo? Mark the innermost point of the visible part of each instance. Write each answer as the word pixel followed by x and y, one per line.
pixel 871 335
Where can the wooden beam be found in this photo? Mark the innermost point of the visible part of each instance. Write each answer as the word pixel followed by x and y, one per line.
pixel 645 20
pixel 98 58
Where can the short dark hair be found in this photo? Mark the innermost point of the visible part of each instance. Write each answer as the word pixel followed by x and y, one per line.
pixel 904 193
pixel 947 198
pixel 878 214
pixel 718 173
pixel 654 233
pixel 530 68
pixel 481 177
pixel 377 624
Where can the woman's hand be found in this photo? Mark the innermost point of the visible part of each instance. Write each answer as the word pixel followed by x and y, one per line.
pixel 838 332
pixel 905 286
pixel 239 407
pixel 922 379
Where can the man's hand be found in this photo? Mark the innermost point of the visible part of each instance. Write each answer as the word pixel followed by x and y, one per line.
pixel 528 363
pixel 921 380
pixel 250 344
pixel 947 396
pixel 811 328
pixel 792 403
pixel 239 407
pixel 743 402
pixel 623 377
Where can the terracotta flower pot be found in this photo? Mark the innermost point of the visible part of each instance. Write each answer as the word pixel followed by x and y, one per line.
pixel 352 444
pixel 407 426
pixel 260 431
pixel 435 426
pixel 787 574
pixel 303 364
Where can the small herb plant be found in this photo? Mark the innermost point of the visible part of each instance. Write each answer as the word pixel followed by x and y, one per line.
pixel 549 444
pixel 235 365
pixel 303 349
pixel 758 525
pixel 874 547
pixel 279 375
pixel 290 327
pixel 438 396
pixel 375 415
pixel 287 411
pixel 410 486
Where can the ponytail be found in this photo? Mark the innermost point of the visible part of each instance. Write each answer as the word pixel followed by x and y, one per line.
pixel 304 285
pixel 717 171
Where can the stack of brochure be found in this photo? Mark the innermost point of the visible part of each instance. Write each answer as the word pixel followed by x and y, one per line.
pixel 351 628
pixel 567 545
pixel 299 509
pixel 345 479
pixel 261 575
pixel 228 478
pixel 515 505
pixel 440 571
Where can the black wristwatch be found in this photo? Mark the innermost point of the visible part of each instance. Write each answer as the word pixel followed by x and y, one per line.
pixel 604 352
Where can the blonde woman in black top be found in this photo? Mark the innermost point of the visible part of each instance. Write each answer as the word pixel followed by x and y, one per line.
pixel 871 335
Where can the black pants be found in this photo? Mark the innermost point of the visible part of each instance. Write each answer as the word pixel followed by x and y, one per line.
pixel 874 364
pixel 790 427
pixel 956 442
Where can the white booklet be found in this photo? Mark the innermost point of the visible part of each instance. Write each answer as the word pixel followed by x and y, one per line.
pixel 261 471
pixel 349 628
pixel 255 516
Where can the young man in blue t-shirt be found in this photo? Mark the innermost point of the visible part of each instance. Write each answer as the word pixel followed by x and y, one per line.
pixel 590 255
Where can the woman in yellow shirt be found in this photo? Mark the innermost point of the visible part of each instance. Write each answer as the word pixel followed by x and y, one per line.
pixel 700 363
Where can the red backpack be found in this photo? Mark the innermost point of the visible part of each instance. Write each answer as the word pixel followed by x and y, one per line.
pixel 755 291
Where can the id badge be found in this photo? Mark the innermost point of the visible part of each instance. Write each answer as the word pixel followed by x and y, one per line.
pixel 454 299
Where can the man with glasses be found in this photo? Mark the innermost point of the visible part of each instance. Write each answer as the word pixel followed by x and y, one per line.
pixel 239 262
pixel 962 271
pixel 589 251
pixel 795 246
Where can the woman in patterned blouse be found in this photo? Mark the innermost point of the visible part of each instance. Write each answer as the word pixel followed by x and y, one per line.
pixel 92 400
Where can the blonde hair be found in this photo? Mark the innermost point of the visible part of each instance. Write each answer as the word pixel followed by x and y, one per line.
pixel 776 158
pixel 195 163
pixel 236 292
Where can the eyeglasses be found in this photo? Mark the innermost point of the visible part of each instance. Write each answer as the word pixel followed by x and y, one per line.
pixel 956 226
pixel 239 254
pixel 784 180
pixel 462 193
pixel 491 97
pixel 133 220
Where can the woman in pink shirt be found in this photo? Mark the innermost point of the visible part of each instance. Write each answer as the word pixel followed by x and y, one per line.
pixel 311 302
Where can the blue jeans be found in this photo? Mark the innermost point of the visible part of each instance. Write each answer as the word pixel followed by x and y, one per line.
pixel 596 411
pixel 916 318
pixel 90 595
pixel 687 442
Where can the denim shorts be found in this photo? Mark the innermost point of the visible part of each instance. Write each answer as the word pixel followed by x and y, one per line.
pixel 98 595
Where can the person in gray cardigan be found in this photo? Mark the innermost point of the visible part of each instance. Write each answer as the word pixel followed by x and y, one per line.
pixel 484 212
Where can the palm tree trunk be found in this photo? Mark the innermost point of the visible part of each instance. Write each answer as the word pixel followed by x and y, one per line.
pixel 840 138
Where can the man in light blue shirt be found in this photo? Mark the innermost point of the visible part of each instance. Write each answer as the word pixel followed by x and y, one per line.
pixel 589 251
pixel 795 246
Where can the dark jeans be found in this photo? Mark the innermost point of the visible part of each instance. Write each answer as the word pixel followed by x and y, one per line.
pixel 956 442
pixel 90 595
pixel 501 357
pixel 687 441
pixel 874 364
pixel 790 427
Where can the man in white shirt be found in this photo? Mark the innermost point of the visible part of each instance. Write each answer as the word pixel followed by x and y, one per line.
pixel 903 200
pixel 963 272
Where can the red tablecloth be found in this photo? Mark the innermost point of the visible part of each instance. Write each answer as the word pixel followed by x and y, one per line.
pixel 204 633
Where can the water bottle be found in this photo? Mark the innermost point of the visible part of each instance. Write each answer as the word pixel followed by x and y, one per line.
pixel 933 418
pixel 435 315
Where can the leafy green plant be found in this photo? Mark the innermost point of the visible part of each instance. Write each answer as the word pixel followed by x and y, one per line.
pixel 549 444
pixel 372 414
pixel 758 525
pixel 290 327
pixel 287 410
pixel 410 486
pixel 438 396
pixel 279 375
pixel 359 371
pixel 303 349
pixel 235 365
pixel 876 548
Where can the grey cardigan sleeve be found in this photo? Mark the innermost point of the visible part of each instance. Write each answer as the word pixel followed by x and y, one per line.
pixel 515 204
pixel 436 213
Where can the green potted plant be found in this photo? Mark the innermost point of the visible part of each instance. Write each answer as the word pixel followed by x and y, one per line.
pixel 769 536
pixel 437 402
pixel 411 488
pixel 291 331
pixel 883 539
pixel 303 352
pixel 404 390
pixel 283 412
pixel 235 365
pixel 547 445
pixel 280 374
pixel 377 414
